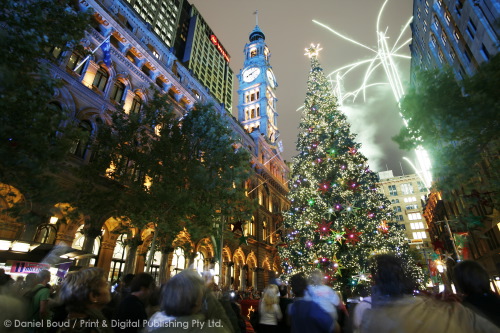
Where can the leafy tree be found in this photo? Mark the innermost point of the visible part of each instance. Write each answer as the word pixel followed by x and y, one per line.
pixel 173 172
pixel 33 138
pixel 337 219
pixel 457 123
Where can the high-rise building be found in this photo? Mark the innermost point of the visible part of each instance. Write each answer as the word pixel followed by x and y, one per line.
pixel 406 194
pixel 458 33
pixel 257 86
pixel 182 28
pixel 207 58
pixel 163 17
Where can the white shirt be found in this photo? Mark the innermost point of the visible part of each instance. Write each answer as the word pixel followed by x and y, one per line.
pixel 325 297
pixel 269 317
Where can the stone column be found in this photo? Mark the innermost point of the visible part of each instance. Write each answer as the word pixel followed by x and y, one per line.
pixel 254 278
pixel 105 255
pixel 164 274
pixel 228 274
pixel 130 260
pixel 243 277
pixel 91 233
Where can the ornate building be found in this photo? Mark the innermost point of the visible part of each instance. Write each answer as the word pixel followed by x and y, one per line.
pixel 91 92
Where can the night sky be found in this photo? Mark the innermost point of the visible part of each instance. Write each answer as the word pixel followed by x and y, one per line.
pixel 289 29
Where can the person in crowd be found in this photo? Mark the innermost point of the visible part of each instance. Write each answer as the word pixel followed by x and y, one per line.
pixel 38 299
pixel 133 307
pixel 471 279
pixel 306 315
pixel 284 302
pixel 365 303
pixel 395 309
pixel 325 296
pixel 269 310
pixel 85 293
pixel 188 306
pixel 11 307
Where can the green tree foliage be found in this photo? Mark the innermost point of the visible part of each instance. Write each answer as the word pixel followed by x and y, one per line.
pixel 338 219
pixel 175 172
pixel 33 138
pixel 457 123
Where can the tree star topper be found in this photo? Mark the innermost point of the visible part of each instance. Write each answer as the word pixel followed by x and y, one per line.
pixel 313 50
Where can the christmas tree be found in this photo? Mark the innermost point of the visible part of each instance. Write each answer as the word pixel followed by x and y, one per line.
pixel 338 219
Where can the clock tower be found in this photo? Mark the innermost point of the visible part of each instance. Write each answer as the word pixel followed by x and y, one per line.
pixel 257 85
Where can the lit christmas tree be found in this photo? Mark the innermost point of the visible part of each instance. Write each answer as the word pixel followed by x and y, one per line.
pixel 338 219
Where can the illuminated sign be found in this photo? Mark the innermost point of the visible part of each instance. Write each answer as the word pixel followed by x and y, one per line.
pixel 219 47
pixel 25 267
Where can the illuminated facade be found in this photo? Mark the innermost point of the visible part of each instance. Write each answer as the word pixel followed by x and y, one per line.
pixel 91 93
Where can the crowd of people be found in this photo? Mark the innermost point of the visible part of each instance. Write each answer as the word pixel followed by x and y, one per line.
pixel 85 302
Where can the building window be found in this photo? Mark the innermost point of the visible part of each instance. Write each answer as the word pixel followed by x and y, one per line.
pixel 199 262
pixel 414 216
pixel 253 52
pixel 117 92
pixel 80 146
pixel 399 218
pixel 46 234
pixel 101 79
pixel 397 209
pixel 417 225
pixel 410 207
pixel 118 260
pixel 410 199
pixel 419 235
pixel 392 190
pixel 395 201
pixel 485 53
pixel 178 261
pixel 407 188
pixel 136 104
pixel 264 231
pixel 80 240
pixel 74 60
pixel 447 16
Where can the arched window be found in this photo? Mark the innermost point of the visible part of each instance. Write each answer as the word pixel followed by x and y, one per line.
pixel 118 260
pixel 46 234
pixel 117 91
pixel 178 261
pixel 80 240
pixel 216 272
pixel 136 104
pixel 80 146
pixel 100 79
pixel 155 266
pixel 199 262
pixel 264 231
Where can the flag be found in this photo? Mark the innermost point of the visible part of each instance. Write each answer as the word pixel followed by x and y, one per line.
pixel 106 49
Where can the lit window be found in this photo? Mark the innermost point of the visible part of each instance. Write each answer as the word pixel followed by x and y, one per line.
pixel 117 92
pixel 74 60
pixel 417 225
pixel 407 188
pixel 419 235
pixel 397 209
pixel 136 104
pixel 100 79
pixel 410 207
pixel 414 216
pixel 178 261
pixel 410 199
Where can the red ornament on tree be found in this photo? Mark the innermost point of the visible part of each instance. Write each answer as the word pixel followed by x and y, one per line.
pixel 352 236
pixel 324 228
pixel 324 187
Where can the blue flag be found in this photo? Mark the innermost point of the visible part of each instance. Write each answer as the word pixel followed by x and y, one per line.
pixel 106 49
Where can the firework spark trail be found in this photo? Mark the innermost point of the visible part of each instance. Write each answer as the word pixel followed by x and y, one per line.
pixel 384 56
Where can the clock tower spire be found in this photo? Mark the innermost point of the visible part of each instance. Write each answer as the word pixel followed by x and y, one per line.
pixel 257 88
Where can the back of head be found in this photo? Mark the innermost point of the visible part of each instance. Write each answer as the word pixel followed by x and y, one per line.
pixel 299 284
pixel 141 280
pixel 389 276
pixel 270 296
pixel 77 286
pixel 127 279
pixel 43 275
pixel 283 290
pixel 471 278
pixel 183 294
pixel 316 277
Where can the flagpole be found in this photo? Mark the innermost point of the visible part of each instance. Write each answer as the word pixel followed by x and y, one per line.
pixel 93 51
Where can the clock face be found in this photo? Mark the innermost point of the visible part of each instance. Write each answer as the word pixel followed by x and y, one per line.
pixel 270 78
pixel 250 74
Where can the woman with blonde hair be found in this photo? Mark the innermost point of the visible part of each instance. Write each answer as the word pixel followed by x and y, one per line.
pixel 269 310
